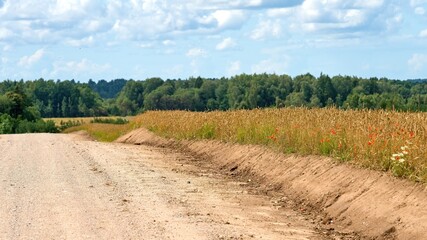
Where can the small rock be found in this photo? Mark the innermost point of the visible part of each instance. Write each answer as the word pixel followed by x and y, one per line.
pixel 233 169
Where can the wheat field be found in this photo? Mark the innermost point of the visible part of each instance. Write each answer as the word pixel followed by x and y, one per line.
pixel 380 140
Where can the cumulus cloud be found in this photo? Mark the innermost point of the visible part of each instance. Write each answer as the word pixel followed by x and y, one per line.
pixel 168 43
pixel 5 33
pixel 420 11
pixel 7 48
pixel 88 41
pixel 342 16
pixel 229 19
pixel 74 68
pixel 73 20
pixel 225 44
pixel 335 16
pixel 60 21
pixel 415 3
pixel 196 52
pixel 243 4
pixel 28 61
pixel 153 20
pixel 368 3
pixel 271 66
pixel 423 33
pixel 79 22
pixel 267 29
pixel 417 62
pixel 263 4
pixel 280 12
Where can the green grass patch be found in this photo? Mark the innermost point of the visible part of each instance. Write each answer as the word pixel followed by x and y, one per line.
pixel 102 132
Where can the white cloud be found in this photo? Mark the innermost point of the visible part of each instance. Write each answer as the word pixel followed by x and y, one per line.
pixel 74 68
pixel 369 3
pixel 76 21
pixel 168 43
pixel 315 15
pixel 420 11
pixel 143 20
pixel 343 16
pixel 227 19
pixel 264 4
pixel 7 48
pixel 417 62
pixel 234 68
pixel 61 21
pixel 73 9
pixel 72 21
pixel 27 61
pixel 146 45
pixel 278 66
pixel 225 44
pixel 88 41
pixel 196 52
pixel 423 33
pixel 267 29
pixel 280 12
pixel 5 33
pixel 415 3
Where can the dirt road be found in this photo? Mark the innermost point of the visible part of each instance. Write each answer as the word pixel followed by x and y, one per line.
pixel 61 187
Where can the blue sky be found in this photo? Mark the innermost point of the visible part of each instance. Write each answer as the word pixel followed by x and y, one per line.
pixel 107 39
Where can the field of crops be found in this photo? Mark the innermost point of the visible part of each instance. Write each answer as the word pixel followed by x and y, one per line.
pixel 81 120
pixel 381 140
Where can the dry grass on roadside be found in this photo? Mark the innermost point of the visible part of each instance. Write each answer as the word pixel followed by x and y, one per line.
pixel 82 120
pixel 102 132
pixel 381 140
pixel 63 120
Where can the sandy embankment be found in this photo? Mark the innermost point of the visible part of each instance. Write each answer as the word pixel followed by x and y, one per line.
pixel 371 203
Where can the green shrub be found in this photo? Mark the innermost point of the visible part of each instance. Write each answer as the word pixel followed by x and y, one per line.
pixel 6 124
pixel 38 126
pixel 68 124
pixel 110 120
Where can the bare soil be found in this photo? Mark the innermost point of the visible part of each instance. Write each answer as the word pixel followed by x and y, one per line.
pixel 344 202
pixel 57 186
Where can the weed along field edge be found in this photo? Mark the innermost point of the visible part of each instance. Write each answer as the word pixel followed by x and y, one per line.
pixel 358 171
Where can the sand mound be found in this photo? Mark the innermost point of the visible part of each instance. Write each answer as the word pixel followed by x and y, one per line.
pixel 371 203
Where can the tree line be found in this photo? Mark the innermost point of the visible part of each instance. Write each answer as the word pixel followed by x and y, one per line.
pixel 49 98
pixel 270 90
pixel 19 115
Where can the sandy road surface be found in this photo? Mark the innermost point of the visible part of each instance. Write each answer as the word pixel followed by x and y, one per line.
pixel 60 187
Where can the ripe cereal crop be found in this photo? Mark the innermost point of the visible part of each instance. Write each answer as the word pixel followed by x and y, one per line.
pixel 371 139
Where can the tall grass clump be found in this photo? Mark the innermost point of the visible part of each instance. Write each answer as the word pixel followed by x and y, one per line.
pixel 381 140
